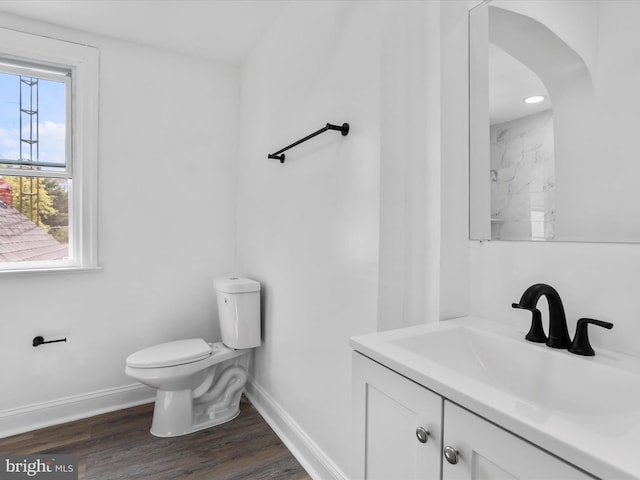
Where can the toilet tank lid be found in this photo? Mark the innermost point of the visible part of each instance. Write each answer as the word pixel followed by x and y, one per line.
pixel 170 354
pixel 236 285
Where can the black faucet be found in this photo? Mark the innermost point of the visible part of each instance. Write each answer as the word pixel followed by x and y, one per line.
pixel 558 333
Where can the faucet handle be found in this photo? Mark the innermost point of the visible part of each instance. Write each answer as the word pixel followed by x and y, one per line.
pixel 536 332
pixel 580 344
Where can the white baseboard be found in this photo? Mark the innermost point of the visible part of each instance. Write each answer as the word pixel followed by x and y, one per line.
pixel 67 409
pixel 312 458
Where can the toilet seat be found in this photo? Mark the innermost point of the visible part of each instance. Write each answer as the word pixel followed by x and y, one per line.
pixel 170 354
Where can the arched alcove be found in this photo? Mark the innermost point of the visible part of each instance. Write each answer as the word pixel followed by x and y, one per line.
pixel 569 85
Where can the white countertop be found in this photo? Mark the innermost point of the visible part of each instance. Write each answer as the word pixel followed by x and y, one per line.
pixel 604 443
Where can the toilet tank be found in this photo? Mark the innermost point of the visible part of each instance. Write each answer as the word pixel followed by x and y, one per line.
pixel 239 310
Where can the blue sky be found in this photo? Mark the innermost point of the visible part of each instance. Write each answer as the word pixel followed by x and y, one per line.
pixel 51 109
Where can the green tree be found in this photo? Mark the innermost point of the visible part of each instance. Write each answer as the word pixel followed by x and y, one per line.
pixel 57 224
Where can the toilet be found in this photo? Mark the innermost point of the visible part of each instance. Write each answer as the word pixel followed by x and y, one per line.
pixel 199 384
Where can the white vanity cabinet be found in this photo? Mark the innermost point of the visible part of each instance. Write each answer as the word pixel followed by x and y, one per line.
pixel 390 413
pixel 388 409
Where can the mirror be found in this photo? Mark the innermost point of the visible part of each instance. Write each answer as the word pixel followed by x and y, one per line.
pixel 567 166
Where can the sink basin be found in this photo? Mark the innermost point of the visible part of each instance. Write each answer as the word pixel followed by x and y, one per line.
pixel 555 380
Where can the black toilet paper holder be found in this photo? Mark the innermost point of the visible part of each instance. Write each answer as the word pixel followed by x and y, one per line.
pixel 39 340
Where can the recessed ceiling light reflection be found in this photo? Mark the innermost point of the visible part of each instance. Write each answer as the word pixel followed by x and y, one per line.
pixel 534 99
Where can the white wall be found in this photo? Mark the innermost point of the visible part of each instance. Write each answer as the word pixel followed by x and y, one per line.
pixel 423 261
pixel 594 280
pixel 453 93
pixel 410 196
pixel 167 151
pixel 603 198
pixel 308 229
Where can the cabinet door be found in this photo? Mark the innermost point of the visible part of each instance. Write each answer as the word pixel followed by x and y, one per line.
pixel 387 410
pixel 486 451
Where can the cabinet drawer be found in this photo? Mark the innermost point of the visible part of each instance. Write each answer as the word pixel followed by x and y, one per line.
pixel 486 451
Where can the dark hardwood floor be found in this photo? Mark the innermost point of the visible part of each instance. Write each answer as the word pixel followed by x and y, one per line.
pixel 118 446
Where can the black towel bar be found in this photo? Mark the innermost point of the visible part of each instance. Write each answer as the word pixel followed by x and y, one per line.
pixel 344 129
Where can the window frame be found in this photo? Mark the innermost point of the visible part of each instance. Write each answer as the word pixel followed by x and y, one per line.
pixel 82 61
pixel 43 72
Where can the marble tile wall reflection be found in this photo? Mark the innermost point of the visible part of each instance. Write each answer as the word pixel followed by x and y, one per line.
pixel 523 178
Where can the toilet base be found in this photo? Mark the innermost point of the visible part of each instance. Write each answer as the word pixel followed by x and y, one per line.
pixel 180 412
pixel 172 413
pixel 166 424
pixel 180 418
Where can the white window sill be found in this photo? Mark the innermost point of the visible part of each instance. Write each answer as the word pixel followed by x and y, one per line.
pixel 60 269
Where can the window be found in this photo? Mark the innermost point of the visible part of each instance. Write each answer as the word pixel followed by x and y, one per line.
pixel 48 153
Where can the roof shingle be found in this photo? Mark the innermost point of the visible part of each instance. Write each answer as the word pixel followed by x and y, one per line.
pixel 22 240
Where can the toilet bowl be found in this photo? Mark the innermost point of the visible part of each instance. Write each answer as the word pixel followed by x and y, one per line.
pixel 194 395
pixel 199 384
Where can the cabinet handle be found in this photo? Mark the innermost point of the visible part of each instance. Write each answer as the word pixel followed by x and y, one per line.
pixel 451 454
pixel 422 434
